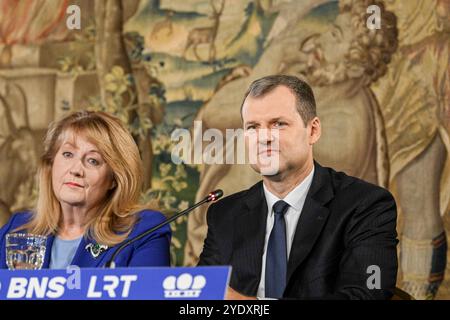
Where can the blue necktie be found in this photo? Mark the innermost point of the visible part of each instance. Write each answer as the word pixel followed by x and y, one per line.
pixel 276 258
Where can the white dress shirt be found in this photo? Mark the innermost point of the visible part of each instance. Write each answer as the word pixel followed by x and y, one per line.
pixel 296 200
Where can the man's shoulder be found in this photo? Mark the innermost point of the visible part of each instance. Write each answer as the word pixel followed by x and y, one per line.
pixel 238 198
pixel 346 186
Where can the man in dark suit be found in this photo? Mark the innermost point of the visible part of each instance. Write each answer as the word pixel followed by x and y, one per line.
pixel 304 231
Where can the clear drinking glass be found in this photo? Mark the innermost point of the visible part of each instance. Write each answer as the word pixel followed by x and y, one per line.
pixel 25 251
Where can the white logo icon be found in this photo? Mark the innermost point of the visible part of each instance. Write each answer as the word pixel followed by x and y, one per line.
pixel 183 286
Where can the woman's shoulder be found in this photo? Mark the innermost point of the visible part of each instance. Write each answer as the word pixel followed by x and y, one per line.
pixel 148 219
pixel 151 216
pixel 15 221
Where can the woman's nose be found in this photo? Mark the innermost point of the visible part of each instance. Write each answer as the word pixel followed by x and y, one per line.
pixel 77 169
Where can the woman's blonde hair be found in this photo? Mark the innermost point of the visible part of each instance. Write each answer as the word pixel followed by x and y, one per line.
pixel 116 214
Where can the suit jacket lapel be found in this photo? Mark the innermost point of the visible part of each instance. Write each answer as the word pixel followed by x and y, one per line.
pixel 312 219
pixel 248 241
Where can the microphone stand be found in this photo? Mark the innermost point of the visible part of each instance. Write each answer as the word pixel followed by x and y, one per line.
pixel 212 196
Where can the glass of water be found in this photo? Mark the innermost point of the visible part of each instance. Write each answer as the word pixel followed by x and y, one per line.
pixel 25 251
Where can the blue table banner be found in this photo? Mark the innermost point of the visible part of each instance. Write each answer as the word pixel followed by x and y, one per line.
pixel 201 283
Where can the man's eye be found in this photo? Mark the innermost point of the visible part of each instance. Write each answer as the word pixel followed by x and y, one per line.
pixel 67 154
pixel 279 124
pixel 251 127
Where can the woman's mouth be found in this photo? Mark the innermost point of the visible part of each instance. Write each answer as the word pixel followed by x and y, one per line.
pixel 74 184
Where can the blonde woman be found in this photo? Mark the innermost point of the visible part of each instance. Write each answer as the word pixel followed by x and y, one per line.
pixel 90 178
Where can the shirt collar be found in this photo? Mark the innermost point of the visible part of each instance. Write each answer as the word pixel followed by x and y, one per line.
pixel 295 198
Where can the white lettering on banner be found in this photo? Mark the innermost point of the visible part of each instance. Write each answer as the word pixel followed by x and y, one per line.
pixel 127 284
pixel 36 287
pixel 91 291
pixel 17 288
pixel 110 285
pixel 56 287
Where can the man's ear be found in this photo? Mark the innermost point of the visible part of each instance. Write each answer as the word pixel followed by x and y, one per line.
pixel 316 130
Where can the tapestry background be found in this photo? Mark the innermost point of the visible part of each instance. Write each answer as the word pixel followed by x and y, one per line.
pixel 383 98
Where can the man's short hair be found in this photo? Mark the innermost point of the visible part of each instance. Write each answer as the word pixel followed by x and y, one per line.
pixel 306 104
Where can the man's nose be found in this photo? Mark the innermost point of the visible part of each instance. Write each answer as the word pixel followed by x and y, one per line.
pixel 266 135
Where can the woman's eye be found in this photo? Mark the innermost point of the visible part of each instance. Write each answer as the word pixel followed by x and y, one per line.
pixel 67 154
pixel 93 162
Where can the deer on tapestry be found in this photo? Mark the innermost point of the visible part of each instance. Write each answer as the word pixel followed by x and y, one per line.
pixel 206 35
pixel 165 24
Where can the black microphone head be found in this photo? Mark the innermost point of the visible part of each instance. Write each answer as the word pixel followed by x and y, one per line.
pixel 214 195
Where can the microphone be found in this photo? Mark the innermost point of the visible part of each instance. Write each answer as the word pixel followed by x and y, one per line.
pixel 212 196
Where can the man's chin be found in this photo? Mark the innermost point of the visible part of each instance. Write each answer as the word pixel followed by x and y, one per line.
pixel 269 171
pixel 266 170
